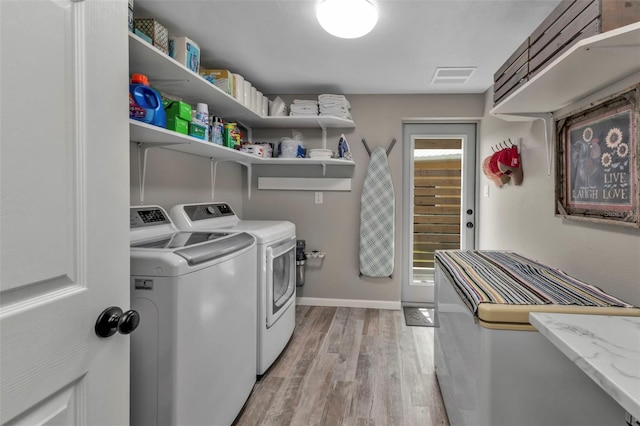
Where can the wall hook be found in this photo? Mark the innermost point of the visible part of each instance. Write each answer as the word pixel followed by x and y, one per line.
pixel 393 142
pixel 366 146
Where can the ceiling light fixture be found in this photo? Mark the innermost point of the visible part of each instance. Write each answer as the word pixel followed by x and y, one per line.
pixel 347 18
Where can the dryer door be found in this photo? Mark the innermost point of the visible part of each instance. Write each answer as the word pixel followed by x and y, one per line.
pixel 281 279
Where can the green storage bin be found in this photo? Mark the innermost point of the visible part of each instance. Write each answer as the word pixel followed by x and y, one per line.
pixel 177 124
pixel 177 109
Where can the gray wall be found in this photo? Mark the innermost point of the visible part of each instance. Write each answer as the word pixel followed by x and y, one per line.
pixel 521 218
pixel 511 218
pixel 333 227
pixel 174 178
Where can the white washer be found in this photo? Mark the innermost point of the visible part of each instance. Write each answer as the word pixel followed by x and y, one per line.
pixel 193 355
pixel 276 270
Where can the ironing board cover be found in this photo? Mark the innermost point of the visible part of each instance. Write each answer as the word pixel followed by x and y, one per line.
pixel 377 218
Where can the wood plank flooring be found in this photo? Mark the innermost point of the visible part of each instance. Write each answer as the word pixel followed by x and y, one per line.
pixel 352 367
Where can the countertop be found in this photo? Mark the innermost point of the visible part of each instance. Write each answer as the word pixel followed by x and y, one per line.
pixel 606 348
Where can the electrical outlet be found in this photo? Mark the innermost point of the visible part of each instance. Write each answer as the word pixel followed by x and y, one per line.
pixel 318 197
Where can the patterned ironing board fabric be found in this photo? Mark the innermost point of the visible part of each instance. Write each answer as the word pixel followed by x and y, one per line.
pixel 508 278
pixel 377 218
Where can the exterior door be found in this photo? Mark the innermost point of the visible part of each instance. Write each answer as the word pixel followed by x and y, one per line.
pixel 462 135
pixel 65 196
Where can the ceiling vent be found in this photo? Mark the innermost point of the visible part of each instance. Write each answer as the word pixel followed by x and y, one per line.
pixel 450 75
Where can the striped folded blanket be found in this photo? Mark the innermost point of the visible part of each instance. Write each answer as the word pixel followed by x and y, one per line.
pixel 509 278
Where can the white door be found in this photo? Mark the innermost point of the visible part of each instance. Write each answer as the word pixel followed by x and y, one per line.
pixel 422 291
pixel 63 222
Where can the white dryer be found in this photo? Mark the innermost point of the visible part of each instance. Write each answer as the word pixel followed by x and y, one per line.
pixel 193 356
pixel 276 270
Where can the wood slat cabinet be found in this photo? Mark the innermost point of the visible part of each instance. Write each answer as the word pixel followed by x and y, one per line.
pixel 570 22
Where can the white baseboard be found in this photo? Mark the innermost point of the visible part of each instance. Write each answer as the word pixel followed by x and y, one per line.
pixel 349 303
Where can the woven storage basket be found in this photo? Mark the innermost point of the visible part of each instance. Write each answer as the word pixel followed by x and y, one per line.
pixel 154 29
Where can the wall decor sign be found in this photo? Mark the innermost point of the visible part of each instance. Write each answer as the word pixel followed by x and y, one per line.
pixel 598 166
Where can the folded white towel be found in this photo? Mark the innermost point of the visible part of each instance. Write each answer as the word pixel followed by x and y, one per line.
pixel 297 106
pixel 334 110
pixel 333 104
pixel 330 96
pixel 305 102
pixel 345 114
pixel 327 99
pixel 313 110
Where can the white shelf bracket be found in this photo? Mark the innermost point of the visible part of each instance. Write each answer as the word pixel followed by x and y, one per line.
pixel 214 170
pixel 549 131
pixel 549 136
pixel 142 163
pixel 324 134
pixel 142 167
pixel 248 166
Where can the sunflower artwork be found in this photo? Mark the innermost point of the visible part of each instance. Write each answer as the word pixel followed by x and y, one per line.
pixel 600 171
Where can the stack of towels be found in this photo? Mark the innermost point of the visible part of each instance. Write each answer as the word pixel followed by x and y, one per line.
pixel 334 105
pixel 301 107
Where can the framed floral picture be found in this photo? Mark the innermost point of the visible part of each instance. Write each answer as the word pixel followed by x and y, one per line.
pixel 597 172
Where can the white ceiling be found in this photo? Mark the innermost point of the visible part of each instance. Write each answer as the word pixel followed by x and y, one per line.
pixel 279 46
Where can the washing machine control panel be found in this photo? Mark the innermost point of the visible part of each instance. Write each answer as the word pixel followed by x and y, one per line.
pixel 208 211
pixel 147 216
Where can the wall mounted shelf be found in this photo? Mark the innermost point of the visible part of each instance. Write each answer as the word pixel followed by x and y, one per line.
pixel 172 77
pixel 147 136
pixel 587 67
pixel 150 135
pixel 168 75
pixel 305 184
pixel 590 65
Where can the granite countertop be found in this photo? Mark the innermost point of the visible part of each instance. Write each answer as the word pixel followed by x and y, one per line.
pixel 606 348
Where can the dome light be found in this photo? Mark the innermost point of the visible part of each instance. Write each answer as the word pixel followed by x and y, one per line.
pixel 347 18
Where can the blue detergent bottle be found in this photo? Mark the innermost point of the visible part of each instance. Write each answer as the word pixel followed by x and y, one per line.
pixel 145 104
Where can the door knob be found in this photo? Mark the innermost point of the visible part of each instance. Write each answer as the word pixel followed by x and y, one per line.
pixel 113 319
pixel 469 225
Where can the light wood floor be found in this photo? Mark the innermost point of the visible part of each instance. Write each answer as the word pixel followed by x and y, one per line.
pixel 349 366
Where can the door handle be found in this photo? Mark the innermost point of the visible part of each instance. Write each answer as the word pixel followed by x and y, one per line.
pixel 469 225
pixel 113 319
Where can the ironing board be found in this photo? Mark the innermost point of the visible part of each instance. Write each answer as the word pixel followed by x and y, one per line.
pixel 377 218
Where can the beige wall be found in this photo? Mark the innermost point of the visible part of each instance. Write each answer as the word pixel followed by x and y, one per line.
pixel 333 227
pixel 522 219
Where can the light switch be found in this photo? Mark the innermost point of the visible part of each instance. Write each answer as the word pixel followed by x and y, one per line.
pixel 318 197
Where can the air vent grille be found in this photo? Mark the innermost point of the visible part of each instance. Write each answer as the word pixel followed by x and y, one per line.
pixel 452 75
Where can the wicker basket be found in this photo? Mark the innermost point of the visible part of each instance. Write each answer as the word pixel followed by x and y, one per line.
pixel 154 29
